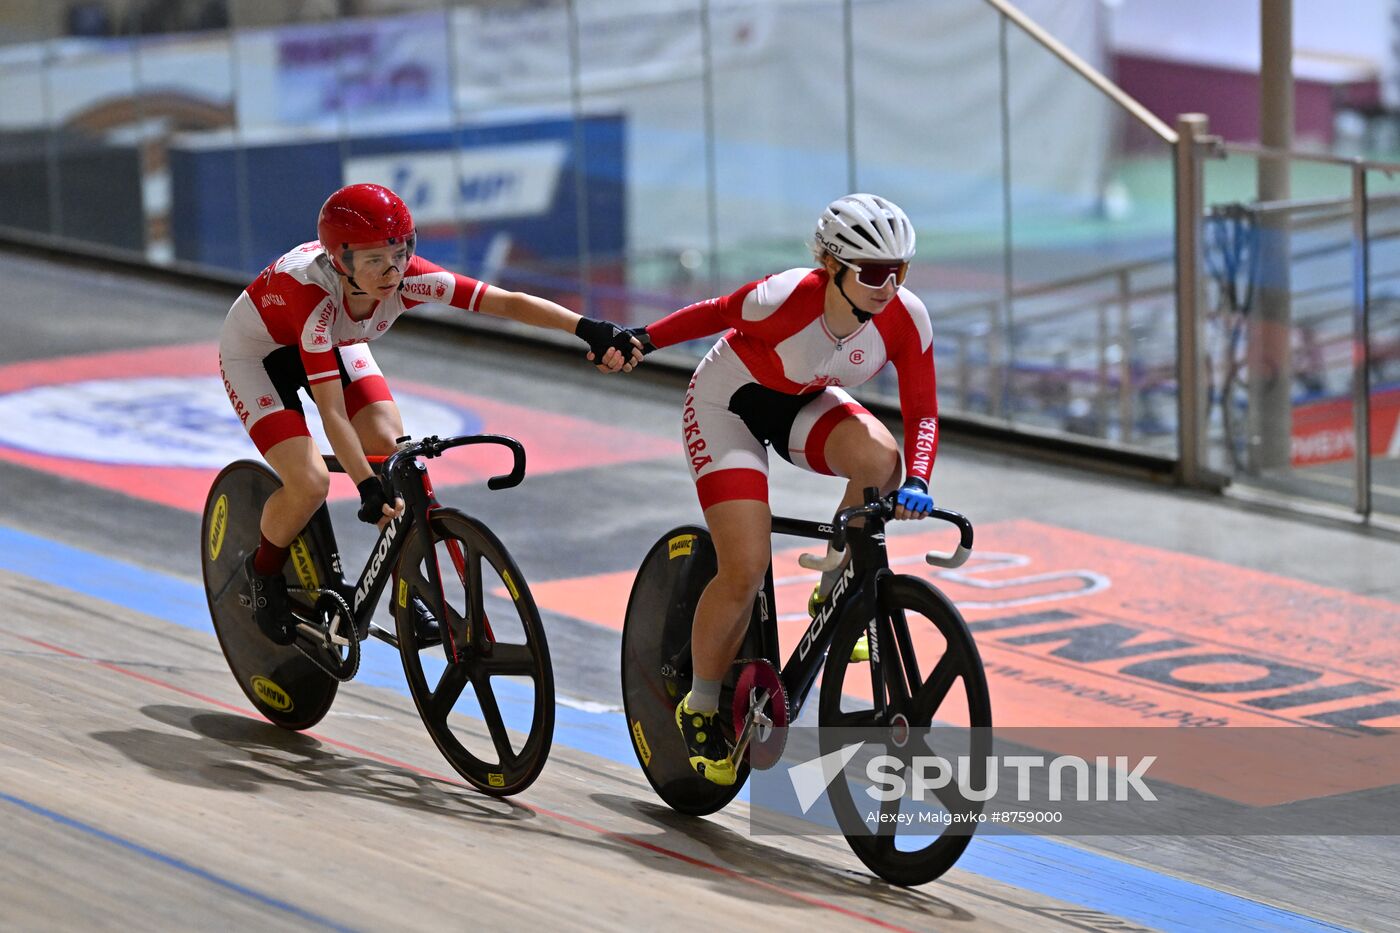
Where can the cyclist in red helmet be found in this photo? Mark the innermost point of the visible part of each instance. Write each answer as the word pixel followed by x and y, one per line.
pixel 306 322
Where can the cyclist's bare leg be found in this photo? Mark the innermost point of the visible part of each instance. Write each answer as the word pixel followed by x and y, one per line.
pixel 742 530
pixel 305 483
pixel 863 450
pixel 379 425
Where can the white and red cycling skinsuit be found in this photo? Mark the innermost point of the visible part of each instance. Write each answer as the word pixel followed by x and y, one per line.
pixel 776 377
pixel 292 327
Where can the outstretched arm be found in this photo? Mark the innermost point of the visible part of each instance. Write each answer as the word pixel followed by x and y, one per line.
pixel 436 284
pixel 701 319
pixel 605 340
pixel 528 309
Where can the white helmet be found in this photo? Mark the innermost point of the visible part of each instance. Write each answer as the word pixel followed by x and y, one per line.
pixel 865 226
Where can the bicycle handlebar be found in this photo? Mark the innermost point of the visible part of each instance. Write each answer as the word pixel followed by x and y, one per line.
pixel 434 446
pixel 884 508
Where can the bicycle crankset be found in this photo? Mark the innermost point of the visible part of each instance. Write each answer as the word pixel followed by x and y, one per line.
pixel 329 639
pixel 760 714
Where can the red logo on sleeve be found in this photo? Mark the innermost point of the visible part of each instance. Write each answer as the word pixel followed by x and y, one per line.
pixel 320 340
pixel 439 290
pixel 361 364
pixel 264 401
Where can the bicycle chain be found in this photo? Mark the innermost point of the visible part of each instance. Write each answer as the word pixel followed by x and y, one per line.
pixel 350 666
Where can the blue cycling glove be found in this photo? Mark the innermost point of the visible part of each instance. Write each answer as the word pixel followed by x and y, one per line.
pixel 913 496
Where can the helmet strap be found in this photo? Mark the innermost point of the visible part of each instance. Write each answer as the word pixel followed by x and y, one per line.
pixel 861 316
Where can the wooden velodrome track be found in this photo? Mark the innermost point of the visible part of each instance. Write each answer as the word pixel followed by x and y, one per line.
pixel 140 790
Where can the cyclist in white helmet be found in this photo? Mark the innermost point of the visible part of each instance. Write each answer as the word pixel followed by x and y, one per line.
pixel 776 378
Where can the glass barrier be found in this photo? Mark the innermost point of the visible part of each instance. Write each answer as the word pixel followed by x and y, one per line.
pixel 97 150
pixel 522 168
pixel 28 172
pixel 184 92
pixel 1087 338
pixel 645 171
pixel 626 157
pixel 780 144
pixel 928 131
pixel 1280 314
pixel 1382 340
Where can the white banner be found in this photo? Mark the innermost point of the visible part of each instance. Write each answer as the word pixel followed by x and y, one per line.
pixel 514 180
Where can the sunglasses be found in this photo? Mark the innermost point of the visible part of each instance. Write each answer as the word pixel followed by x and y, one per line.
pixel 875 273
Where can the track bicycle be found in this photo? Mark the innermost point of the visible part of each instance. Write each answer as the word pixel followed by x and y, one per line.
pixel 923 669
pixel 463 615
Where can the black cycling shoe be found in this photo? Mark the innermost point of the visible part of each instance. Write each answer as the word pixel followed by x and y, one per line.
pixel 425 627
pixel 427 630
pixel 267 597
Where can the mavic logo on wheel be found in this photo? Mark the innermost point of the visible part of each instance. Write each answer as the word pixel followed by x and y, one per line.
pixel 271 694
pixel 640 740
pixel 303 564
pixel 218 525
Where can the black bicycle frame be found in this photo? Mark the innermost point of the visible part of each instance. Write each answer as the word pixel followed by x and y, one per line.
pixel 855 591
pixel 383 557
pixel 409 478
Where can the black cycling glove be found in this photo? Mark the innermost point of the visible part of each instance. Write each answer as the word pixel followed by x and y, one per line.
pixel 604 335
pixel 372 500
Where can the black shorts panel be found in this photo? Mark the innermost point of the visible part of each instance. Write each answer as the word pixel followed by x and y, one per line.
pixel 288 373
pixel 769 414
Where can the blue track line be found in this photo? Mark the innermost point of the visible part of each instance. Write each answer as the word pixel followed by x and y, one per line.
pixel 1054 869
pixel 174 862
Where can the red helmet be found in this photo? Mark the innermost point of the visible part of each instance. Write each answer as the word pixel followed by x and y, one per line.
pixel 363 217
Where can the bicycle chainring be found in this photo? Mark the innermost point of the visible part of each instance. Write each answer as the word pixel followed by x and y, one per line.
pixel 340 660
pixel 756 678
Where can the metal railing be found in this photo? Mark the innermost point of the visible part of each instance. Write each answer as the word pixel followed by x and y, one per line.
pixel 1328 241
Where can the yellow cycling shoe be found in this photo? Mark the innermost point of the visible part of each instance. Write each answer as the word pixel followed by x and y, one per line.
pixel 709 752
pixel 861 651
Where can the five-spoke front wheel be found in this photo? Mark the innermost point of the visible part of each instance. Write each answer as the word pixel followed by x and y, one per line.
pixel 474 653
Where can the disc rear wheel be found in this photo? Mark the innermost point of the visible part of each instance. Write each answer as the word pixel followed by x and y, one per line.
pixel 279 680
pixel 656 669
